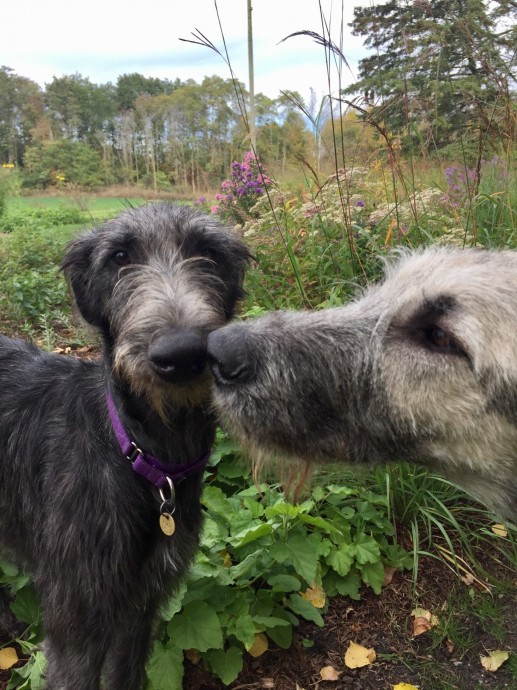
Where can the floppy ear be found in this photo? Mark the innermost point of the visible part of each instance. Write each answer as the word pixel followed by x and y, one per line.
pixel 78 269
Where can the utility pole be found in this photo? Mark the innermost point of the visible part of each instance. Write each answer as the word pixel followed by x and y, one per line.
pixel 251 116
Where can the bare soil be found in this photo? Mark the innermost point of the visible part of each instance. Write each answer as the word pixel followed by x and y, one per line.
pixel 384 623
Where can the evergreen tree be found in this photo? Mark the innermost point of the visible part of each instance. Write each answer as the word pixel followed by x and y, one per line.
pixel 438 71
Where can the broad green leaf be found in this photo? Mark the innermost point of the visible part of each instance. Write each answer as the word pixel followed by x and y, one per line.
pixel 216 502
pixel 27 605
pixel 197 627
pixel 253 490
pixel 8 569
pixel 213 533
pixel 307 506
pixel 247 568
pixel 365 549
pixel 349 586
pixel 318 493
pixel 302 551
pixel 263 604
pixel 320 523
pixel 283 637
pixel 279 552
pixel 223 447
pixel 282 510
pixel 204 568
pixel 341 559
pixel 37 678
pixel 266 622
pixel 256 509
pixel 373 575
pixel 284 583
pixel 326 546
pixel 338 490
pixel 32 674
pixel 249 535
pixel 233 469
pixel 226 665
pixel 305 609
pixel 243 629
pixel 174 603
pixel 165 667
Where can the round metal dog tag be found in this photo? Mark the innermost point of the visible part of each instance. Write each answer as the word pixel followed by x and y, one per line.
pixel 167 524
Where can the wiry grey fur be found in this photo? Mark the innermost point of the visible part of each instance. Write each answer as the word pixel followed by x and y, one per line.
pixel 421 367
pixel 155 282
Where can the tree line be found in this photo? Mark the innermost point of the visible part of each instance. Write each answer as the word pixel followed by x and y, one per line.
pixel 138 130
pixel 439 76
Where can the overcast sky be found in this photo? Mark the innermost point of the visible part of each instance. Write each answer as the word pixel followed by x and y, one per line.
pixel 102 39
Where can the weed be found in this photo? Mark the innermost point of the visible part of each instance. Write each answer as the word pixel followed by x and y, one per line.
pixel 265 563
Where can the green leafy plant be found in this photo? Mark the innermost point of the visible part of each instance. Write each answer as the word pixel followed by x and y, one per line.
pixel 25 605
pixel 265 563
pixel 41 218
pixel 31 285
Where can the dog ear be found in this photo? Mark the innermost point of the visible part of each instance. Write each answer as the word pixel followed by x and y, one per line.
pixel 78 270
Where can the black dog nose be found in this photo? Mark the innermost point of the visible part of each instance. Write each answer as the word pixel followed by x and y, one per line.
pixel 178 356
pixel 228 356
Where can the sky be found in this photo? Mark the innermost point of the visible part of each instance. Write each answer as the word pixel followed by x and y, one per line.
pixel 102 39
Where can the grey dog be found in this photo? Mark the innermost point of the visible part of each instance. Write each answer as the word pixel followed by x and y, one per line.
pixel 101 461
pixel 420 367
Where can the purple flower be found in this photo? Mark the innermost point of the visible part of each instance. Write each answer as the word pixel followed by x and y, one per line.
pixel 360 203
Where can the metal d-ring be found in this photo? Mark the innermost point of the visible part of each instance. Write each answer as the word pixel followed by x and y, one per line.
pixel 168 505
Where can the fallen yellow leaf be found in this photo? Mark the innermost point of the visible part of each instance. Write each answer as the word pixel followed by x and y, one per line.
pixel 315 595
pixel 227 559
pixel 493 660
pixel 500 530
pixel 259 646
pixel 424 621
pixel 468 579
pixel 8 658
pixel 404 686
pixel 420 626
pixel 329 673
pixel 358 656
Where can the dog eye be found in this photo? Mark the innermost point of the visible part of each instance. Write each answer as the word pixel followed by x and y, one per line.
pixel 438 340
pixel 121 258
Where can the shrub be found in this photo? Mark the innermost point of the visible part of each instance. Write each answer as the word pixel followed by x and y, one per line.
pixel 31 285
pixel 6 172
pixel 239 194
pixel 57 163
pixel 265 563
pixel 41 218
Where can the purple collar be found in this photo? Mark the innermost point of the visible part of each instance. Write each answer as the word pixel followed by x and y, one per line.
pixel 148 466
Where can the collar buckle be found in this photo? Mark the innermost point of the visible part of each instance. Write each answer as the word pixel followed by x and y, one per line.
pixel 133 454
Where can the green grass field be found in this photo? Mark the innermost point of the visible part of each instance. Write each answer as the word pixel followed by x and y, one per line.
pixel 95 206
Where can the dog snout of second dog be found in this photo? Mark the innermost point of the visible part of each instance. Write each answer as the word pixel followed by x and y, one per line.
pixel 178 356
pixel 228 357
